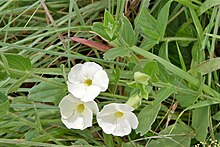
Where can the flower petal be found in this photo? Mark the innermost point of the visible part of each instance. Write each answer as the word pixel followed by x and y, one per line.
pixel 90 68
pixel 76 74
pixel 66 106
pixel 107 123
pixel 124 107
pixel 74 122
pixel 87 115
pixel 108 109
pixel 132 119
pixel 122 128
pixel 77 90
pixel 101 79
pixel 93 106
pixel 91 93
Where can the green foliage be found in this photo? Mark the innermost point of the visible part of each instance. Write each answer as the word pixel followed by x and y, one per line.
pixel 45 92
pixel 146 118
pixel 162 58
pixel 4 104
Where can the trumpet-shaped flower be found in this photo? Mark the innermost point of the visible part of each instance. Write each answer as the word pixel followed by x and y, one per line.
pixel 86 81
pixel 117 119
pixel 76 114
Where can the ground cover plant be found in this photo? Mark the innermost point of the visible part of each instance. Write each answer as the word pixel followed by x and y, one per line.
pixel 109 73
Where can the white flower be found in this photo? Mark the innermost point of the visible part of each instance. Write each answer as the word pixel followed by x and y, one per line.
pixel 76 114
pixel 86 81
pixel 117 119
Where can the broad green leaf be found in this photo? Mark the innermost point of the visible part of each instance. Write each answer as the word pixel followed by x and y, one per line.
pixel 181 137
pixel 206 5
pixel 109 24
pixel 146 118
pixel 217 116
pixel 127 35
pixel 200 122
pixel 148 44
pixel 44 92
pixel 17 62
pixel 186 98
pixel 151 68
pixel 176 70
pixel 99 29
pixel 163 94
pixel 204 103
pixel 146 25
pixel 108 139
pixel 116 52
pixel 162 19
pixel 206 67
pixel 4 104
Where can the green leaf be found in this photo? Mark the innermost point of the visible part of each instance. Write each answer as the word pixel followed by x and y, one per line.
pixel 15 85
pixel 146 25
pixel 206 67
pixel 186 30
pixel 186 98
pixel 200 122
pixel 163 52
pixel 99 29
pixel 206 5
pixel 127 35
pixel 108 139
pixel 148 44
pixel 163 94
pixel 204 103
pixel 217 116
pixel 151 68
pixel 116 52
pixel 162 19
pixel 109 24
pixel 17 62
pixel 182 139
pixel 44 92
pixel 146 118
pixel 4 104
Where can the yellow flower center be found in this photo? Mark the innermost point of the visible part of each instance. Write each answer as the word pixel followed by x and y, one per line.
pixel 119 114
pixel 80 108
pixel 88 82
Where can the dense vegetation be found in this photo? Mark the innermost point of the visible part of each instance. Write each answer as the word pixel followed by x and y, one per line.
pixel 161 56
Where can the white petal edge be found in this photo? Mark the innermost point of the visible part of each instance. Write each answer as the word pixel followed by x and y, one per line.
pixel 91 92
pixel 107 123
pixel 92 106
pixel 124 107
pixel 77 90
pixel 132 119
pixel 66 106
pixel 108 109
pixel 101 79
pixel 90 69
pixel 87 115
pixel 122 128
pixel 76 74
pixel 74 122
